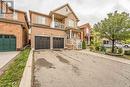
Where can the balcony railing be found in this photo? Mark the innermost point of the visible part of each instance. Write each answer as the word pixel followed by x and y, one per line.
pixel 59 25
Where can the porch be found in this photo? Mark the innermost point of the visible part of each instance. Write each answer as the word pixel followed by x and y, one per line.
pixel 73 39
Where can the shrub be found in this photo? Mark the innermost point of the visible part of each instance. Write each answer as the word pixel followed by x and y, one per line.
pixel 103 49
pixel 108 50
pixel 97 48
pixel 91 42
pixel 116 50
pixel 120 50
pixel 127 52
pixel 83 45
pixel 91 48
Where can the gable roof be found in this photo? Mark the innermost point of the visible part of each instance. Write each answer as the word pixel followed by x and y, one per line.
pixel 12 9
pixel 38 13
pixel 68 7
pixel 19 11
pixel 85 25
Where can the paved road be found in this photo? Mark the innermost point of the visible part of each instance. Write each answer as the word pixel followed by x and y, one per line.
pixel 74 69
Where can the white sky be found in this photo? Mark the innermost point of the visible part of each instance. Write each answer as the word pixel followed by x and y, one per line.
pixel 90 11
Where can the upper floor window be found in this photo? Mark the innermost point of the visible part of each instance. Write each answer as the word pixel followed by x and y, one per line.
pixel 40 20
pixel 15 16
pixel 71 23
pixel 1 13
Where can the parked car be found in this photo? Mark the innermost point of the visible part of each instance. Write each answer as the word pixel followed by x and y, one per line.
pixel 127 45
pixel 118 45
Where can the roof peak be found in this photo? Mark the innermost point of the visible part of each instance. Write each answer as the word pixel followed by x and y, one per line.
pixel 67 4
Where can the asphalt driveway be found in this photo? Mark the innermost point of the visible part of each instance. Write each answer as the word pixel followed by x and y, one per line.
pixel 74 69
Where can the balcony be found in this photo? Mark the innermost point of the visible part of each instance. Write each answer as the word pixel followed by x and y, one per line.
pixel 59 25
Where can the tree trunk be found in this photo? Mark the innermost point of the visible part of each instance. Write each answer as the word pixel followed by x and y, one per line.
pixel 113 41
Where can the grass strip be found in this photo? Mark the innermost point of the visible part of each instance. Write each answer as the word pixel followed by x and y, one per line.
pixel 13 74
pixel 126 57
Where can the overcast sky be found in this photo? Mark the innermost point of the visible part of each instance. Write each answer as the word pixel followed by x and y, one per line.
pixel 90 11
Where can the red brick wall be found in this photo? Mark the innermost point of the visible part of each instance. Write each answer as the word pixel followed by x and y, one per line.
pixel 34 16
pixel 13 29
pixel 45 31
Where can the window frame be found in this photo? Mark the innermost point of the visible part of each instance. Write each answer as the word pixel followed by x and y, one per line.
pixel 41 19
pixel 1 13
pixel 71 23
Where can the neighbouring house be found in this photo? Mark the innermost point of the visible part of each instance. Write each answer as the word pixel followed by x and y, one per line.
pixel 13 28
pixel 85 33
pixel 58 29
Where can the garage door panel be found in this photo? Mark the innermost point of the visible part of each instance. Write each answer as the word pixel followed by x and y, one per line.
pixel 42 42
pixel 12 43
pixel 62 41
pixel 48 43
pixel 1 42
pixel 58 42
pixel 7 43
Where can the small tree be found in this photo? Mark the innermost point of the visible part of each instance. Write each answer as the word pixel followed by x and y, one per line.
pixel 96 38
pixel 83 45
pixel 114 27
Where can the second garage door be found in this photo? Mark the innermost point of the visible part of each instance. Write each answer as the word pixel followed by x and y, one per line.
pixel 42 42
pixel 7 43
pixel 58 42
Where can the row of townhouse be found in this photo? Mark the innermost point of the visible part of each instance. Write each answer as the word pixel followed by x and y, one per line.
pixel 57 30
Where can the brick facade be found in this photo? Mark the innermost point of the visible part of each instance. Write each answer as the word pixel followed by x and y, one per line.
pixel 17 27
pixel 43 31
pixel 48 30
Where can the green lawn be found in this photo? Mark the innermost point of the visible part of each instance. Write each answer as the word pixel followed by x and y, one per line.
pixel 126 57
pixel 108 50
pixel 13 74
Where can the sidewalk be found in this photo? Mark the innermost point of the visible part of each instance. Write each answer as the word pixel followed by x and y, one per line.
pixel 106 56
pixel 6 57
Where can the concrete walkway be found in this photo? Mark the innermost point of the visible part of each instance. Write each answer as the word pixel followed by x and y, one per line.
pixel 5 57
pixel 106 56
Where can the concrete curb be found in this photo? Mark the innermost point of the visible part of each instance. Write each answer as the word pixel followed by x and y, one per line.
pixel 126 61
pixel 26 80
